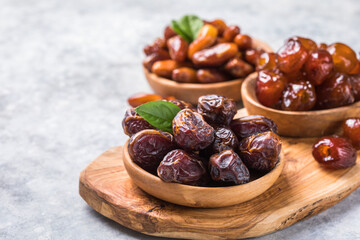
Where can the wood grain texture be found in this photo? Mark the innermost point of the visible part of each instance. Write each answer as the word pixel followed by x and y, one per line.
pixel 302 190
pixel 205 197
pixel 308 123
pixel 191 92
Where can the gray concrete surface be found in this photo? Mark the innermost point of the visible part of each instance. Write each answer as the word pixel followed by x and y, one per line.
pixel 66 70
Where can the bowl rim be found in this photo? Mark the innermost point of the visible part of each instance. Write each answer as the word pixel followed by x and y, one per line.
pixel 280 164
pixel 258 44
pixel 246 94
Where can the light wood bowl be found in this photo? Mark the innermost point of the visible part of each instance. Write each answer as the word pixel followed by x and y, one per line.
pixel 202 197
pixel 297 124
pixel 190 92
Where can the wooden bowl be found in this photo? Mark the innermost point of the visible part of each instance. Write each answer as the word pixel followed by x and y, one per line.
pixel 297 124
pixel 190 92
pixel 203 197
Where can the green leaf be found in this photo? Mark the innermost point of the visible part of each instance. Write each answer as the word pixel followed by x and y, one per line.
pixel 159 114
pixel 188 27
pixel 175 26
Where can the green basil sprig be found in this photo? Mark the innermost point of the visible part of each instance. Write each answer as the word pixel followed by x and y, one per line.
pixel 159 114
pixel 187 27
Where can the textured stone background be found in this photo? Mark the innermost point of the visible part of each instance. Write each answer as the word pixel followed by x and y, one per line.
pixel 66 70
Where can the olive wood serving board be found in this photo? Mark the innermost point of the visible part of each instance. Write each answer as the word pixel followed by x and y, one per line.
pixel 304 189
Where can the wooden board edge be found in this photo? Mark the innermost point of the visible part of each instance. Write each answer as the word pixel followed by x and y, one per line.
pixel 142 223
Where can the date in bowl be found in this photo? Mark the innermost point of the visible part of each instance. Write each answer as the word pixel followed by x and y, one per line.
pixel 297 123
pixel 190 92
pixel 201 197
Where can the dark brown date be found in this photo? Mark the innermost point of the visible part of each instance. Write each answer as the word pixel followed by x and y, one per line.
pixel 336 91
pixel 238 68
pixel 227 167
pixel 318 66
pixel 251 125
pixel 134 123
pixel 260 152
pixel 355 83
pixel 217 109
pixel 191 132
pixel 178 48
pixel 351 129
pixel 334 152
pixel 225 139
pixel 211 76
pixel 148 147
pixel 179 166
pixel 182 104
pixel 215 56
pixel 298 96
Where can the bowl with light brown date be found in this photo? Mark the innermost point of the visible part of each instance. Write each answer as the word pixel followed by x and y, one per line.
pixel 214 61
pixel 201 157
pixel 316 87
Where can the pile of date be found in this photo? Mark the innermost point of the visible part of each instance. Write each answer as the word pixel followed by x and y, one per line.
pixel 219 53
pixel 208 146
pixel 304 76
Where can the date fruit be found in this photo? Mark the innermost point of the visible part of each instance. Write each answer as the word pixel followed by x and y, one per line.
pixel 215 56
pixel 164 68
pixel 178 48
pixel 217 109
pixel 227 167
pixel 134 123
pixel 336 91
pixel 266 61
pixel 148 147
pixel 298 96
pixel 206 38
pixel 211 76
pixel 351 129
pixel 184 75
pixel 179 166
pixel 230 32
pixel 182 104
pixel 334 152
pixel 343 56
pixel 318 66
pixel 269 87
pixel 141 98
pixel 154 57
pixel 243 41
pixel 260 152
pixel 292 56
pixel 309 44
pixel 238 68
pixel 251 125
pixel 225 139
pixel 191 132
pixel 355 83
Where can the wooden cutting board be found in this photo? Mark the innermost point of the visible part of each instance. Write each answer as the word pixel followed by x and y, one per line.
pixel 304 189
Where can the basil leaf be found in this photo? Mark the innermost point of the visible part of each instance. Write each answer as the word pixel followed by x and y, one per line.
pixel 188 27
pixel 175 26
pixel 159 114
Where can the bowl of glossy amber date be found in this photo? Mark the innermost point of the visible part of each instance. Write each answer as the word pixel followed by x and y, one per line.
pixel 215 61
pixel 307 89
pixel 207 158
